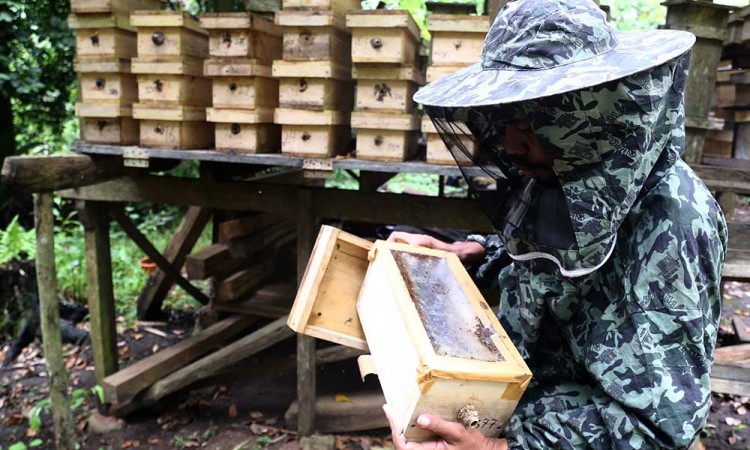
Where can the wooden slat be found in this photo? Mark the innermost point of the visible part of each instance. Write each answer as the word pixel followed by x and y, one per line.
pixel 243 226
pixel 739 235
pixel 363 411
pixel 272 237
pixel 242 282
pixel 55 172
pixel 212 261
pixel 271 301
pixel 124 385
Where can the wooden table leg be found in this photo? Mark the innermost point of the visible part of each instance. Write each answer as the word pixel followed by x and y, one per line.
pixel 101 298
pixel 306 384
pixel 49 315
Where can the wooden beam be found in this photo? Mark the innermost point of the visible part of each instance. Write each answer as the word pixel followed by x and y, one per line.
pixel 212 261
pixel 99 291
pixel 232 229
pixel 49 315
pixel 272 301
pixel 51 173
pixel 307 229
pixel 123 386
pixel 363 411
pixel 271 237
pixel 329 203
pixel 167 272
pixel 242 282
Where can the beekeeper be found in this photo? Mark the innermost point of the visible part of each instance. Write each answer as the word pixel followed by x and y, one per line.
pixel 615 247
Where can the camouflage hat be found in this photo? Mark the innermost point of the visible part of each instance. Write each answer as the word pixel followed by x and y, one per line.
pixel 539 48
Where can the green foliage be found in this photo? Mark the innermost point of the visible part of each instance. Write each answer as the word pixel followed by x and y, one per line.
pixel 36 443
pixel 18 446
pixel 35 416
pixel 15 242
pixel 637 14
pixel 341 179
pixel 417 8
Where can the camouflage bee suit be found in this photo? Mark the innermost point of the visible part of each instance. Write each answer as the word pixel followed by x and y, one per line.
pixel 621 356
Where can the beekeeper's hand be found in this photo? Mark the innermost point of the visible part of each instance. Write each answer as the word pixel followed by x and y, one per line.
pixel 453 436
pixel 468 252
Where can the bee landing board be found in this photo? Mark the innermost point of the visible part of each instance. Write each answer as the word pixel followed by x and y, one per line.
pixel 434 342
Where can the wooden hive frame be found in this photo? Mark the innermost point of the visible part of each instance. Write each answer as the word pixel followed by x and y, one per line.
pixel 415 378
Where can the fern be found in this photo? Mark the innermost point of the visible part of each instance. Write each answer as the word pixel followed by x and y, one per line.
pixel 15 242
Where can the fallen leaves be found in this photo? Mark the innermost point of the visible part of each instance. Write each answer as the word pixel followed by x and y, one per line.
pixel 131 443
pixel 732 422
pixel 233 413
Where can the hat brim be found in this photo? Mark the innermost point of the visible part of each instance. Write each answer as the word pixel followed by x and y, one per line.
pixel 635 52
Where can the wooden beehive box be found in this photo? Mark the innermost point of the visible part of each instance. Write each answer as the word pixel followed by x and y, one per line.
pixel 244 130
pixel 314 36
pixel 314 85
pixel 173 126
pixel 456 40
pixel 437 152
pixel 118 88
pixel 435 344
pixel 107 123
pixel 383 36
pixel 436 72
pixel 107 6
pixel 174 89
pixel 169 34
pixel 318 134
pixel 338 7
pixel 387 88
pixel 104 36
pixel 385 136
pixel 242 35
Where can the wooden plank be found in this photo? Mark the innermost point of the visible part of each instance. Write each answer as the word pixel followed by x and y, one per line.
pixel 114 20
pixel 103 110
pixel 168 113
pixel 732 354
pixel 99 291
pixel 732 387
pixel 386 145
pixel 383 18
pixel 55 172
pixel 106 6
pixel 241 283
pixel 166 19
pixel 311 69
pixel 742 328
pixel 123 386
pixel 380 73
pixel 49 316
pixel 456 48
pixel 243 226
pixel 212 261
pixel 385 121
pixel 110 43
pixel 363 411
pixel 101 65
pixel 317 44
pixel 739 234
pixel 384 45
pixel 329 203
pixel 158 284
pixel 458 22
pixel 271 301
pixel 315 141
pixel 309 18
pixel 270 238
pixel 239 20
pixel 238 115
pixel 236 67
pixel 285 116
pixel 171 65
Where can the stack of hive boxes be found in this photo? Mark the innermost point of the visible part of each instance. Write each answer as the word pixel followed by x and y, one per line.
pixel 385 50
pixel 242 47
pixel 172 92
pixel 315 88
pixel 105 43
pixel 457 42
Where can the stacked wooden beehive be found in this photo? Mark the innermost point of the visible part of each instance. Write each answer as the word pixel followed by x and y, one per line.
pixel 105 43
pixel 457 42
pixel 385 50
pixel 242 47
pixel 315 88
pixel 172 92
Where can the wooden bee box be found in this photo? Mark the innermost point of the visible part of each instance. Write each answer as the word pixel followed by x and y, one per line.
pixel 437 152
pixel 175 89
pixel 245 131
pixel 105 43
pixel 172 65
pixel 383 36
pixel 385 136
pixel 387 88
pixel 236 67
pixel 314 36
pixel 173 126
pixel 338 7
pixel 242 35
pixel 457 40
pixel 106 6
pixel 719 143
pixel 314 85
pixel 436 72
pixel 319 134
pixel 101 65
pixel 325 306
pixel 113 130
pixel 435 344
pixel 245 92
pixel 169 33
pixel 108 88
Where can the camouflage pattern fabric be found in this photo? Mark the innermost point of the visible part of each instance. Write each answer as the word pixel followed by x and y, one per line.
pixel 538 48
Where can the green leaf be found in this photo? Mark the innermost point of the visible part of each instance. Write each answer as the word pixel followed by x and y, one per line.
pixel 18 446
pixel 36 443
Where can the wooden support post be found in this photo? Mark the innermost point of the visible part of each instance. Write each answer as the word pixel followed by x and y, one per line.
pixel 49 314
pixel 306 383
pixel 99 292
pixel 159 283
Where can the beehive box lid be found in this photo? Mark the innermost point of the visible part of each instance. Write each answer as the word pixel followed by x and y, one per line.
pixel 383 18
pixel 458 23
pixel 307 18
pixel 326 303
pixel 152 18
pixel 105 20
pixel 455 332
pixel 239 20
pixel 311 69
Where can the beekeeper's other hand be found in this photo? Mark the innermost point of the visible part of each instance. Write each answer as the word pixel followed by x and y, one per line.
pixel 468 252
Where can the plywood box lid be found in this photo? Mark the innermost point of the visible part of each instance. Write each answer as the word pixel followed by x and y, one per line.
pixel 455 332
pixel 109 20
pixel 326 303
pixel 383 18
pixel 227 115
pixel 287 116
pixel 239 20
pixel 175 113
pixel 458 23
pixel 385 121
pixel 388 73
pixel 152 18
pixel 308 18
pixel 236 67
pixel 172 65
pixel 311 69
pixel 101 65
pixel 103 110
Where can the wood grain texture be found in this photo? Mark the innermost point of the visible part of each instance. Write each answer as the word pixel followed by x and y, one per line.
pixel 315 94
pixel 119 130
pixel 245 92
pixel 105 43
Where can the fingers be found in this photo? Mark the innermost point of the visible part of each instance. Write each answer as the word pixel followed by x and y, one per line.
pixel 450 431
pixel 400 236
